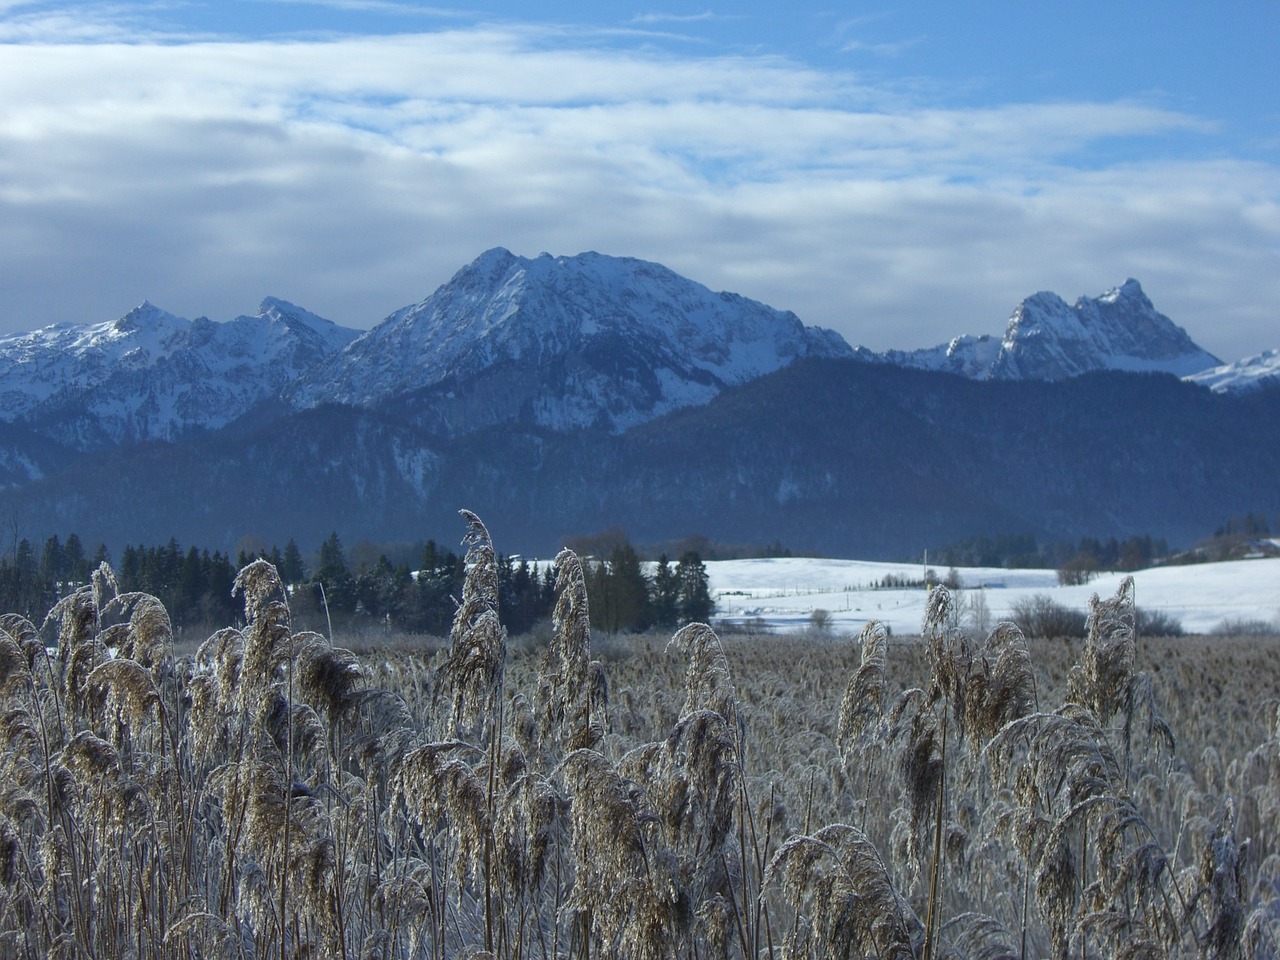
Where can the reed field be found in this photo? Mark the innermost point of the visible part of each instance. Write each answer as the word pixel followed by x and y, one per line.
pixel 271 794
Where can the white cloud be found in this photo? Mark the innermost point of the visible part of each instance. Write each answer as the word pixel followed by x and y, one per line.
pixel 703 17
pixel 372 6
pixel 353 175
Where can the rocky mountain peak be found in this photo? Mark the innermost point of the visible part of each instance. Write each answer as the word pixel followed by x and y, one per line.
pixel 1046 338
pixel 153 375
pixel 564 343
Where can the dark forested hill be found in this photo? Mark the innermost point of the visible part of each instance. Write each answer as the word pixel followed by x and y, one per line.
pixel 827 455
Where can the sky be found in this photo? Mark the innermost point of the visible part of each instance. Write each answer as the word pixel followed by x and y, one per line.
pixel 901 173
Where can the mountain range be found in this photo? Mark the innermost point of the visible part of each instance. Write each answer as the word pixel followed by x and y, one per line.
pixel 565 394
pixel 153 376
pixel 1048 340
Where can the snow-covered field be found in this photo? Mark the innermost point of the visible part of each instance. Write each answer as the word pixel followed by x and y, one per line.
pixel 782 594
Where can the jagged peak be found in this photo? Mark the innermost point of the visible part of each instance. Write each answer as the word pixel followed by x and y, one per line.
pixel 1131 289
pixel 496 254
pixel 1032 312
pixel 1046 338
pixel 283 311
pixel 638 339
pixel 144 311
pixel 144 315
pixel 275 305
pixel 494 261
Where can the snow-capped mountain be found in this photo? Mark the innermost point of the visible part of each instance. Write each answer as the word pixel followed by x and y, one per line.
pixel 152 375
pixel 287 426
pixel 562 343
pixel 555 343
pixel 1047 339
pixel 1247 374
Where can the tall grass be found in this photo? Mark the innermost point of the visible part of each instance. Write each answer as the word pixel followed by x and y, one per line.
pixel 273 795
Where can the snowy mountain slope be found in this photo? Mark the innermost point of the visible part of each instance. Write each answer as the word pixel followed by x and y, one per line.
pixel 965 356
pixel 152 375
pixel 563 343
pixel 553 343
pixel 1247 374
pixel 1047 339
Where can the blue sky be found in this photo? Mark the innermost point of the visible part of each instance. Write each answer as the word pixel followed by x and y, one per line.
pixel 901 173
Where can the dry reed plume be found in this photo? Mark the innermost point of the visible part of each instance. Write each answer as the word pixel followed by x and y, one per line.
pixel 274 795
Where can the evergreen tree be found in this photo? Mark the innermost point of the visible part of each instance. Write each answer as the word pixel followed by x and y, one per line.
pixel 378 588
pixel 76 567
pixel 190 588
pixel 332 561
pixel 430 557
pixel 218 604
pixel 164 573
pixel 604 614
pixel 292 569
pixel 130 573
pixel 521 601
pixel 631 589
pixel 665 599
pixel 439 586
pixel 52 561
pixel 332 572
pixel 694 589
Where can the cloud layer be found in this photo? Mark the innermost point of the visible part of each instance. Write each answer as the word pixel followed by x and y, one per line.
pixel 355 174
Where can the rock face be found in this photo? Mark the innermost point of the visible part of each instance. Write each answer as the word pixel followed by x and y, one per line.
pixel 1047 339
pixel 153 376
pixel 562 343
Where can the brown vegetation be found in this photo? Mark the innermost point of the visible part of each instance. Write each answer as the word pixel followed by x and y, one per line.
pixel 272 795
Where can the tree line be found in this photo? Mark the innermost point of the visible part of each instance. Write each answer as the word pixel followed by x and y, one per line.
pixel 623 597
pixel 195 585
pixel 1022 551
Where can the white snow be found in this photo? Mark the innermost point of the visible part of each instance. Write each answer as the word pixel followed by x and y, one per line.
pixel 1048 339
pixel 782 594
pixel 151 374
pixel 550 310
pixel 1246 374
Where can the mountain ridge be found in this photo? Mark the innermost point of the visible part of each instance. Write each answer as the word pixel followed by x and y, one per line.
pixel 580 341
pixel 151 375
pixel 565 393
pixel 1047 339
pixel 829 455
pixel 631 339
pixel 573 342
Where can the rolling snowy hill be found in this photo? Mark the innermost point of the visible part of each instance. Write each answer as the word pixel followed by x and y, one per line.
pixel 781 594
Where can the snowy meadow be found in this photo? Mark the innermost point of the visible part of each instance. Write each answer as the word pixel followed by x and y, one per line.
pixel 782 594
